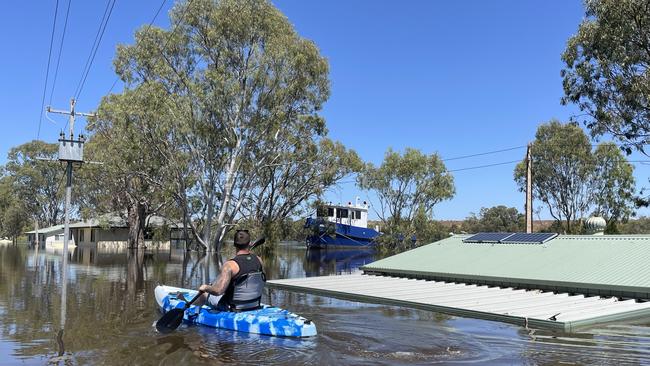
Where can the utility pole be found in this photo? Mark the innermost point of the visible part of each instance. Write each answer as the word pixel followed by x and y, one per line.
pixel 529 189
pixel 70 152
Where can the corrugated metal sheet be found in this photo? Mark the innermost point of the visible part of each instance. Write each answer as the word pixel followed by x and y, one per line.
pixel 523 307
pixel 610 265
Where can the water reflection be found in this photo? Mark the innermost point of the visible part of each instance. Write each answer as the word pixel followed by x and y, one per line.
pixel 321 262
pixel 109 309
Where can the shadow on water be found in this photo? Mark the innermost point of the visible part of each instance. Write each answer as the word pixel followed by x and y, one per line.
pixel 105 311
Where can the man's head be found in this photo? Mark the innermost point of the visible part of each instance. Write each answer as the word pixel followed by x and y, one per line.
pixel 242 239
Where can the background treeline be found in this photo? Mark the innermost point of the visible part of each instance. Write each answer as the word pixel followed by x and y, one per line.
pixel 219 127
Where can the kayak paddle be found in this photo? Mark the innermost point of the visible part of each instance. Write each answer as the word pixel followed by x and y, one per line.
pixel 257 243
pixel 174 317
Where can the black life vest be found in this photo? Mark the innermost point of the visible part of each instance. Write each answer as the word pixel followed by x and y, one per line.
pixel 245 289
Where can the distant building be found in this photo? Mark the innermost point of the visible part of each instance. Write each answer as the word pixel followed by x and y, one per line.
pixel 50 237
pixel 108 232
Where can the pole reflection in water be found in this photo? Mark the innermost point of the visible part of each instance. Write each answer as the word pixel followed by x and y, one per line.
pixel 64 295
pixel 113 307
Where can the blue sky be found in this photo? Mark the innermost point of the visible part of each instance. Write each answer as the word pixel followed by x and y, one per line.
pixel 456 78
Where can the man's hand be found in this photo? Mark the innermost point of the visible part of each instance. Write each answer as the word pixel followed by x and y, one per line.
pixel 204 288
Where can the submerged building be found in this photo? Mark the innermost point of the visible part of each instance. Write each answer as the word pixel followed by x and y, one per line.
pixel 108 232
pixel 542 280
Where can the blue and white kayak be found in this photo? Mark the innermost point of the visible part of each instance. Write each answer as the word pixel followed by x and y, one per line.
pixel 268 320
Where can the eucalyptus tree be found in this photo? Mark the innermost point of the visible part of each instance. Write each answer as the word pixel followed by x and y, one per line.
pixel 406 185
pixel 237 85
pixel 127 139
pixel 607 70
pixel 35 184
pixel 571 180
pixel 298 174
pixel 14 216
pixel 613 184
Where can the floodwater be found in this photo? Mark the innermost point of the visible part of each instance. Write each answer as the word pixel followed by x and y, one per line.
pixel 110 310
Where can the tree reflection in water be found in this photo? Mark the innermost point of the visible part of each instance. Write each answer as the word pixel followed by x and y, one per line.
pixel 110 310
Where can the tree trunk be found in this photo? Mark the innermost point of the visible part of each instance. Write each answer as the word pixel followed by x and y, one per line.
pixel 136 222
pixel 227 195
pixel 207 230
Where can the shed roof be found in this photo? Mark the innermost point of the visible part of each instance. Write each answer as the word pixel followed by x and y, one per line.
pixel 524 307
pixel 117 221
pixel 600 265
pixel 46 230
pixel 110 220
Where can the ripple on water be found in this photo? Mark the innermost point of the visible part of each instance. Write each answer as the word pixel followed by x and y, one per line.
pixel 111 309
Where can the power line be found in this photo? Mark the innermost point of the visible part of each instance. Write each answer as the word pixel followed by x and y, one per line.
pixel 58 60
pixel 484 153
pixel 520 160
pixel 484 166
pixel 117 78
pixel 93 50
pixel 47 71
pixel 502 150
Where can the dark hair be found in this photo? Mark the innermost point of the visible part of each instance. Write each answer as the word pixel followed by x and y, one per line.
pixel 242 239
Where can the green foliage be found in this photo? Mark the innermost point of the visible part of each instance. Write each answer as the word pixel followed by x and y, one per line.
pixel 613 191
pixel 37 184
pixel 302 173
pixel 639 226
pixel 495 219
pixel 132 177
pixel 572 181
pixel 225 120
pixel 30 188
pixel 427 230
pixel 606 72
pixel 407 183
pixel 408 187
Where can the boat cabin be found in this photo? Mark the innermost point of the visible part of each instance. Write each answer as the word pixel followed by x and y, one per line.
pixel 352 214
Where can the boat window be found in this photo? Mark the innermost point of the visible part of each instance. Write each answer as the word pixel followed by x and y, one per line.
pixel 81 235
pixel 357 215
pixel 330 212
pixel 342 213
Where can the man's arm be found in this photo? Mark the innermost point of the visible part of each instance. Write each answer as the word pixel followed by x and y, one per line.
pixel 220 286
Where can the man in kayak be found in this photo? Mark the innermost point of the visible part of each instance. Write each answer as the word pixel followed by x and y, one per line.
pixel 241 282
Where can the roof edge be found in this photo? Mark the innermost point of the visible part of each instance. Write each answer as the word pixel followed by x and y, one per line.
pixel 587 289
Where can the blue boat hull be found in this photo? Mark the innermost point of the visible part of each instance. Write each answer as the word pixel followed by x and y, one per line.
pixel 342 235
pixel 268 320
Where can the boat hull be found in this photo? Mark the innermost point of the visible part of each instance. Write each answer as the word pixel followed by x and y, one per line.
pixel 329 234
pixel 268 320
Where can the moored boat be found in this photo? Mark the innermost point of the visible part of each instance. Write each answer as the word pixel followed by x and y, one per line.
pixel 340 226
pixel 268 320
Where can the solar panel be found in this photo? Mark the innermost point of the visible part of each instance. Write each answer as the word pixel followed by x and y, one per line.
pixel 532 238
pixel 487 237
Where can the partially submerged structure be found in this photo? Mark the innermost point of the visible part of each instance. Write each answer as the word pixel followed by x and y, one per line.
pixel 556 281
pixel 48 236
pixel 109 232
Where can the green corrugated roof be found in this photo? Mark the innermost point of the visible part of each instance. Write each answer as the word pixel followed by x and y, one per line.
pixel 610 264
